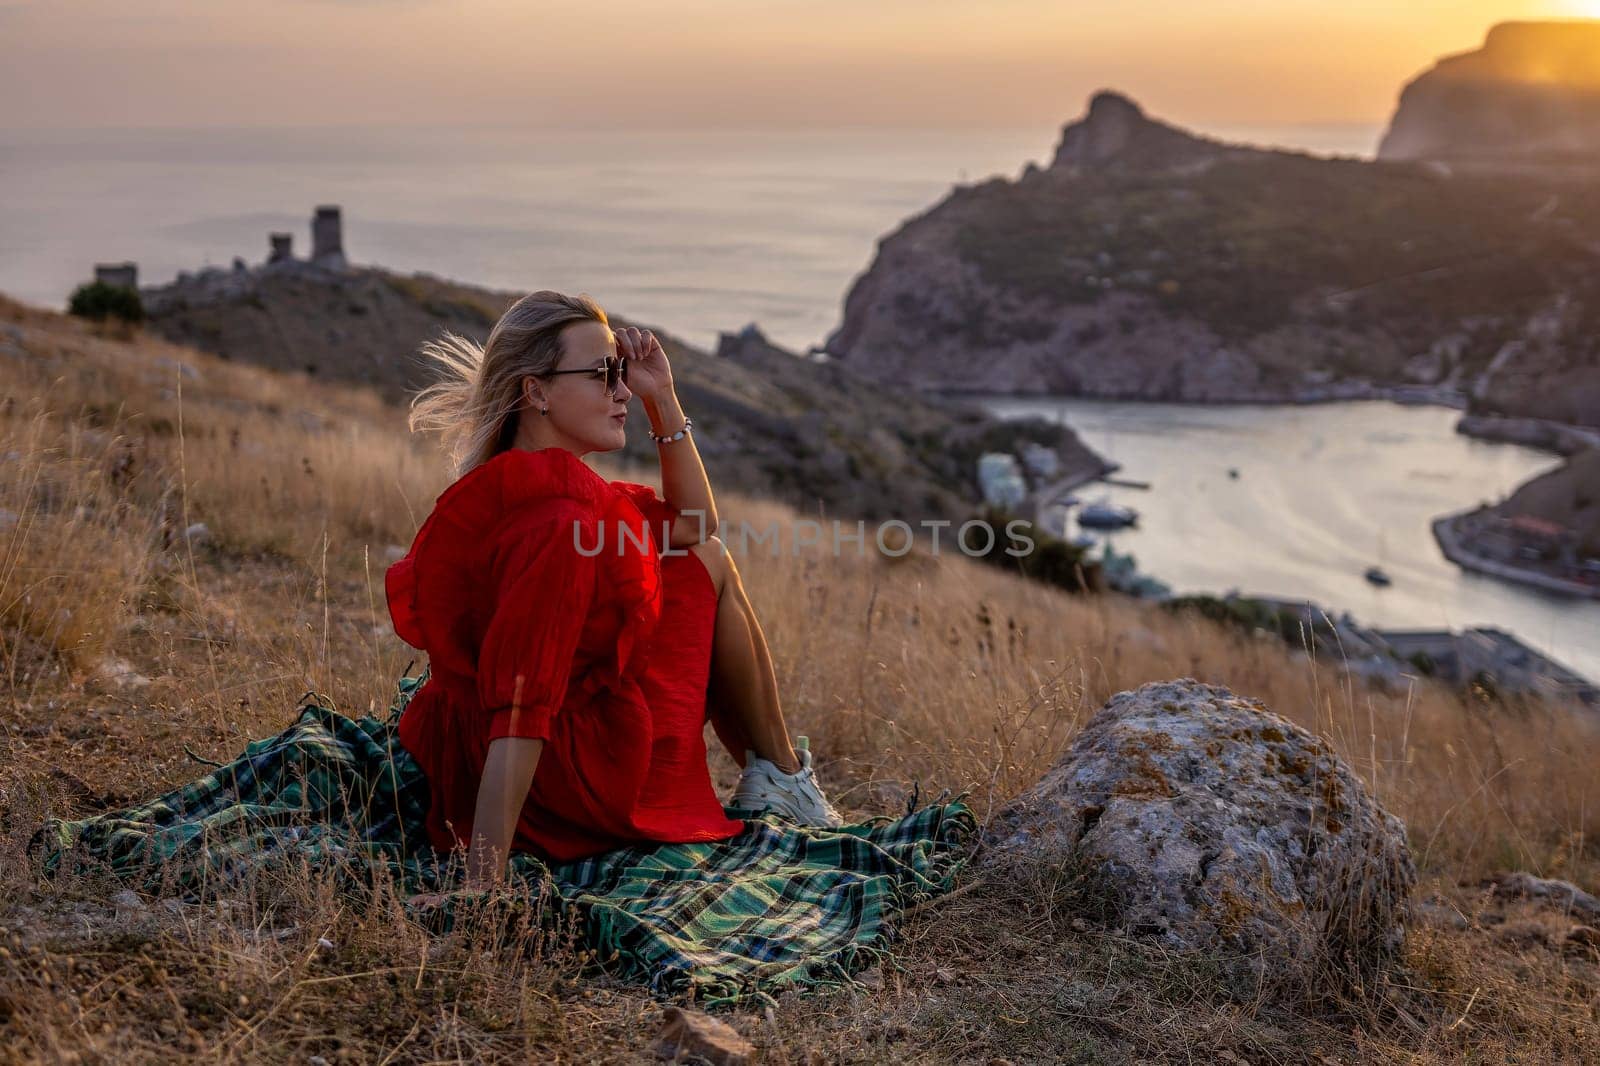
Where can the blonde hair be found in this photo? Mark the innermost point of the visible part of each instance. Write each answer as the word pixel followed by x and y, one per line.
pixel 474 404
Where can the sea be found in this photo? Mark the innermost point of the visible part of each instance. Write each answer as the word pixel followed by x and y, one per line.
pixel 692 232
pixel 699 232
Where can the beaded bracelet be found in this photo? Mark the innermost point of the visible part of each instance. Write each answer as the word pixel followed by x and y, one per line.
pixel 668 438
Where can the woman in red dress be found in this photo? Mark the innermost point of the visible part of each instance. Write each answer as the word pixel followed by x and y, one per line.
pixel 579 631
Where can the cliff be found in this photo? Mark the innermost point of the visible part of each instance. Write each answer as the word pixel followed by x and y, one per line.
pixel 766 421
pixel 1149 263
pixel 1529 97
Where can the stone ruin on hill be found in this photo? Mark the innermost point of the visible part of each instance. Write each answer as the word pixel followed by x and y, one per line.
pixel 217 283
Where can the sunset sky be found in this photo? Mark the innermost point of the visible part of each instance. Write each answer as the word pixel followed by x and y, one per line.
pixel 721 63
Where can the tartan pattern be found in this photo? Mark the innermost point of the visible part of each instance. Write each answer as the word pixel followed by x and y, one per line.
pixel 778 906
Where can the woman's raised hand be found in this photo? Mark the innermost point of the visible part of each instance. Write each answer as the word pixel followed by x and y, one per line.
pixel 649 375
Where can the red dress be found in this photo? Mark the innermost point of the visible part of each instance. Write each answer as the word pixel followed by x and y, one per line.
pixel 532 632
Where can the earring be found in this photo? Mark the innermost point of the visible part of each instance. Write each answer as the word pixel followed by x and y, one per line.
pixel 544 410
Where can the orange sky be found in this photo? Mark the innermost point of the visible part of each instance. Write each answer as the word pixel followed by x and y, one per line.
pixel 699 63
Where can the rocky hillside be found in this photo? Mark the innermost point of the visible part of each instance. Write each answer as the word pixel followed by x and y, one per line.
pixel 1529 97
pixel 357 325
pixel 1149 263
pixel 766 421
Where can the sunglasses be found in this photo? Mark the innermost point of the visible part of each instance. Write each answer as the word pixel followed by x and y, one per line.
pixel 614 369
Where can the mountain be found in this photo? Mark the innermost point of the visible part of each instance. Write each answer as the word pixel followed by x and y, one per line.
pixel 767 421
pixel 1146 262
pixel 1530 97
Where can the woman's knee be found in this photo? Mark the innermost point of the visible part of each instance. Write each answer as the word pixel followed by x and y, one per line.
pixel 715 556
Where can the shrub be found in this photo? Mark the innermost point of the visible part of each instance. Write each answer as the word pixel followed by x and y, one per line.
pixel 99 301
pixel 1052 560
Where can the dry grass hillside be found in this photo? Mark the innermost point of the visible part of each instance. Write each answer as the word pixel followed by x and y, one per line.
pixel 121 641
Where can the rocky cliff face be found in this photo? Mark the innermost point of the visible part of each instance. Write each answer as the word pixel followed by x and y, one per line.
pixel 1529 97
pixel 1115 132
pixel 1148 263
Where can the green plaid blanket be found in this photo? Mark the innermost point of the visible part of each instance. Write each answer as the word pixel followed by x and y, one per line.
pixel 778 906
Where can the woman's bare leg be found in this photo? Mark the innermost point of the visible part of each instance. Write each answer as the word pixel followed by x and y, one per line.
pixel 743 690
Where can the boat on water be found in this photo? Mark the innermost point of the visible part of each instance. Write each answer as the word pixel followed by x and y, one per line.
pixel 1106 515
pixel 1375 573
pixel 1102 513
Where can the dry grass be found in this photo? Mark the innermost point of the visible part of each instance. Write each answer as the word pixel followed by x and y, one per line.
pixel 121 640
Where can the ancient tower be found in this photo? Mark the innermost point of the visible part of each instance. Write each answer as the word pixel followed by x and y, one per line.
pixel 327 238
pixel 282 247
pixel 124 274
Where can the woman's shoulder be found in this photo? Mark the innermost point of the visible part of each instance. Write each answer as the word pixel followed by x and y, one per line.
pixel 638 494
pixel 517 510
pixel 506 498
pixel 518 477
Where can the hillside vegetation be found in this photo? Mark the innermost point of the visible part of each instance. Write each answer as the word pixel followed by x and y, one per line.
pixel 814 436
pixel 122 640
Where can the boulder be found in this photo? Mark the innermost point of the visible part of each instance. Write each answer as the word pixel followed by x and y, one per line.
pixel 1196 817
pixel 1561 894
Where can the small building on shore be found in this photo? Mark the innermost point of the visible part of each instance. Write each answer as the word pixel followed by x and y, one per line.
pixel 1000 479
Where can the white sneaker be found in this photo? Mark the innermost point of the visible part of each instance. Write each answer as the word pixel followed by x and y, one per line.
pixel 797 796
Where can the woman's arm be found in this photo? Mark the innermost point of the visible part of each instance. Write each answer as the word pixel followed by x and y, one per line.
pixel 684 484
pixel 507 776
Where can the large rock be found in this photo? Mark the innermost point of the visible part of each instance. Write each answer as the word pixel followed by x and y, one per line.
pixel 1199 818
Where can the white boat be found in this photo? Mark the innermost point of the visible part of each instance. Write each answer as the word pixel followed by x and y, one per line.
pixel 1106 515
